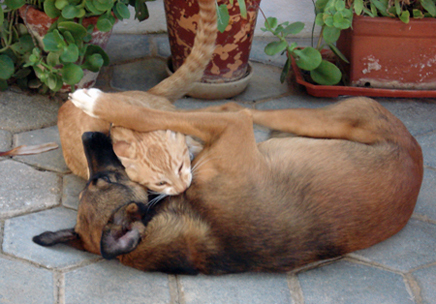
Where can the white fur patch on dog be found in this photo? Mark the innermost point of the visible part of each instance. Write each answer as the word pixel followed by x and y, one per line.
pixel 85 99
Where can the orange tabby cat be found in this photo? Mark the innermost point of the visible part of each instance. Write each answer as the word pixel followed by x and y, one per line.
pixel 159 160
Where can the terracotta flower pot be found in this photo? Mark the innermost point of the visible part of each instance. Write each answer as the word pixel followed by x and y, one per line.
pixel 387 53
pixel 39 23
pixel 230 60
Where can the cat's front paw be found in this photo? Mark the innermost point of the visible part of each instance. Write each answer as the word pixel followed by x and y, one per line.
pixel 86 99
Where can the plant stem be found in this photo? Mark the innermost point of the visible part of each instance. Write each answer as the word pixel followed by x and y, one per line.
pixel 266 19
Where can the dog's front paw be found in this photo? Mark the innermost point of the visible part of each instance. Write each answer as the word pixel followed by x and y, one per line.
pixel 86 99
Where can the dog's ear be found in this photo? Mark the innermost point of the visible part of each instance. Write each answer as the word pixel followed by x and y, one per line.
pixel 67 236
pixel 122 233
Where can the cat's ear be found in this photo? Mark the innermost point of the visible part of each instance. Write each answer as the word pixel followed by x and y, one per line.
pixel 123 231
pixel 194 146
pixel 124 149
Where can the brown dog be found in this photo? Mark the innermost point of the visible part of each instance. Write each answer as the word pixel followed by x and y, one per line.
pixel 350 180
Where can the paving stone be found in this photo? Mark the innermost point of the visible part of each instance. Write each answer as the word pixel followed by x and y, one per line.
pixel 5 140
pixel 21 112
pixel 19 232
pixel 236 288
pixel 72 187
pixel 116 284
pixel 428 145
pixel 426 279
pixel 24 189
pixel 21 283
pixel 426 204
pixel 417 115
pixel 140 75
pixel 127 47
pixel 163 45
pixel 265 83
pixel 51 160
pixel 412 247
pixel 295 101
pixel 344 282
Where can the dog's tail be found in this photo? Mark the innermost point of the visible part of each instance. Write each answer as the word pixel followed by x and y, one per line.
pixel 178 84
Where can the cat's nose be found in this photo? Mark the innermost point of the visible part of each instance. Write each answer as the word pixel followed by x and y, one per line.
pixel 181 187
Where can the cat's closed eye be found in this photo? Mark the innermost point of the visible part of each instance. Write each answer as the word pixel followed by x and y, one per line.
pixel 161 183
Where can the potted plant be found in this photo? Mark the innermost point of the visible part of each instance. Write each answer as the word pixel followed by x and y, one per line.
pixel 343 21
pixel 229 69
pixel 48 44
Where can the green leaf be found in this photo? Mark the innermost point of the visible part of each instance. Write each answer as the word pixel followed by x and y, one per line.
pixel 275 47
pixel 340 5
pixel 122 11
pixel 340 22
pixel 271 22
pixel 326 74
pixel 77 30
pixel 59 39
pixel 2 16
pixel 331 34
pixel 285 70
pixel 397 7
pixel 293 28
pixel 14 4
pixel 50 43
pixel 368 12
pixel 103 5
pixel 70 12
pixel 90 7
pixel 328 20
pixel 380 6
pixel 223 17
pixel 93 63
pixel 69 38
pixel 95 49
pixel 320 4
pixel 319 20
pixel 71 73
pixel 24 44
pixel 141 11
pixel 429 6
pixel 70 53
pixel 358 6
pixel 3 85
pixel 60 4
pixel 53 59
pixel 104 23
pixel 242 8
pixel 405 16
pixel 52 81
pixel 373 9
pixel 292 46
pixel 22 73
pixel 308 58
pixel 417 14
pixel 7 65
pixel 337 52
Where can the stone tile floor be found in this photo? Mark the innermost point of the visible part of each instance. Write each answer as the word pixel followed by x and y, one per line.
pixel 38 193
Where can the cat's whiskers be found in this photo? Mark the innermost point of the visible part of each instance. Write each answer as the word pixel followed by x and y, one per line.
pixel 156 200
pixel 200 163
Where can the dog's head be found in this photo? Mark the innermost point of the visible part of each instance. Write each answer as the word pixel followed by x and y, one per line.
pixel 111 208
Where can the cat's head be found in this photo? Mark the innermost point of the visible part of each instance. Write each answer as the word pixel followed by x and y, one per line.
pixel 158 160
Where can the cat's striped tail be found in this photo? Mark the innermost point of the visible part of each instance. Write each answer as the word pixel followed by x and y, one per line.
pixel 191 71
